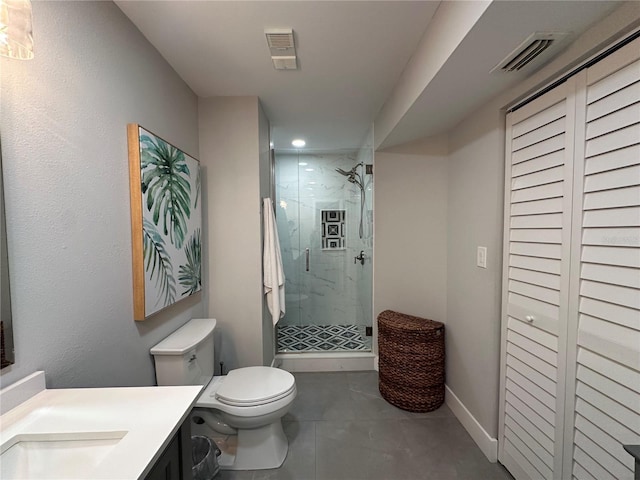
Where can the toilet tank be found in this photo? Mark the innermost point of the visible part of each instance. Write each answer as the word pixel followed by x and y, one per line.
pixel 186 356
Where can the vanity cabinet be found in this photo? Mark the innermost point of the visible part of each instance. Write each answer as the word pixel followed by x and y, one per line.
pixel 175 462
pixel 570 354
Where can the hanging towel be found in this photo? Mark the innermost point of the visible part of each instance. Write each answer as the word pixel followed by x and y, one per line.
pixel 272 264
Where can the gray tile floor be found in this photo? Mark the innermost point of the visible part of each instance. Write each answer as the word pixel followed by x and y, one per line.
pixel 340 428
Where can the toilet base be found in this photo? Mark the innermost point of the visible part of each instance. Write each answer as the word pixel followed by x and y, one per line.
pixel 259 448
pixel 250 449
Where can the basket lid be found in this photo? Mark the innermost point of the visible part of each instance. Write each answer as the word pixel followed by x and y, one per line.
pixel 407 322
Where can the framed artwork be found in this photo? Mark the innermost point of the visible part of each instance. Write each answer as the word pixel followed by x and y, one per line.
pixel 166 222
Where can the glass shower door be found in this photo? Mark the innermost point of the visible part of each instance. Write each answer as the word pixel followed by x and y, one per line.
pixel 318 214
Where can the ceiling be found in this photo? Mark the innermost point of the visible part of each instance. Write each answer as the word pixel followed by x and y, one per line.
pixel 351 54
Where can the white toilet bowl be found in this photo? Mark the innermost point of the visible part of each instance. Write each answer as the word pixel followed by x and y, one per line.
pixel 251 401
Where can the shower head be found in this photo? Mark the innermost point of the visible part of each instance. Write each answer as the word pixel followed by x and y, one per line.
pixel 352 175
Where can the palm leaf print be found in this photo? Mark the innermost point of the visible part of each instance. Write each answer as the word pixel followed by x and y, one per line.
pixel 165 181
pixel 157 259
pixel 190 274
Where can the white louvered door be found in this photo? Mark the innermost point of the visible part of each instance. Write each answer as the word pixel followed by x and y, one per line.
pixel 570 362
pixel 604 314
pixel 539 174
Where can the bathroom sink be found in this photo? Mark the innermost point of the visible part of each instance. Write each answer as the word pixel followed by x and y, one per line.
pixel 88 433
pixel 55 455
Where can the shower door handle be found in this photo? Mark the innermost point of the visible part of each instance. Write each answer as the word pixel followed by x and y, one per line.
pixel 306 252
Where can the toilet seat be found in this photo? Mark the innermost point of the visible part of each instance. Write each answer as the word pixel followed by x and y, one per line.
pixel 253 386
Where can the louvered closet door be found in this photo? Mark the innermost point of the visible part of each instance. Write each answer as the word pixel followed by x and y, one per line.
pixel 539 169
pixel 605 283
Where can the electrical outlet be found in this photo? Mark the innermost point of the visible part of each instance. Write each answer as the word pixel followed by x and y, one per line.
pixel 481 260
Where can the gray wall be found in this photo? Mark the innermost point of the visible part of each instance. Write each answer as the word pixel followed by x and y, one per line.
pixel 63 121
pixel 230 148
pixel 410 262
pixel 474 201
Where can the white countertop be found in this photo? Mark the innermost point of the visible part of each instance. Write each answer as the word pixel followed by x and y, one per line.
pixel 150 416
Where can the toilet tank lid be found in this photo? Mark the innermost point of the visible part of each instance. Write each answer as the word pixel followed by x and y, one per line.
pixel 186 338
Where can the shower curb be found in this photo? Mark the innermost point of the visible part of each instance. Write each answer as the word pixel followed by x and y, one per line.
pixel 325 362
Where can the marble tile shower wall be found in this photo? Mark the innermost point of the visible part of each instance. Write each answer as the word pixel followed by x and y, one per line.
pixel 331 292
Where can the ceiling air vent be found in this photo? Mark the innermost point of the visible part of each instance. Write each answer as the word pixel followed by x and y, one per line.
pixel 533 47
pixel 284 63
pixel 282 48
pixel 280 38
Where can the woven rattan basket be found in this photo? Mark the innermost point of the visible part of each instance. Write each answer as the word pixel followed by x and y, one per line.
pixel 411 361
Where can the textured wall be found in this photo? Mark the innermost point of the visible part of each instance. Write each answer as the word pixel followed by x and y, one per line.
pixel 475 196
pixel 230 154
pixel 410 269
pixel 63 121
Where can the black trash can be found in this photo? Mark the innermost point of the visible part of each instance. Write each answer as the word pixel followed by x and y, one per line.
pixel 204 453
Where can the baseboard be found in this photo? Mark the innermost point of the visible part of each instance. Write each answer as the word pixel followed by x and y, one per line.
pixel 325 362
pixel 486 442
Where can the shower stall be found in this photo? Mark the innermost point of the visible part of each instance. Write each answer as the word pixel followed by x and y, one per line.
pixel 324 217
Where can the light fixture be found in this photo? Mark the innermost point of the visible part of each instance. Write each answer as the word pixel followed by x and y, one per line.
pixel 16 39
pixel 298 143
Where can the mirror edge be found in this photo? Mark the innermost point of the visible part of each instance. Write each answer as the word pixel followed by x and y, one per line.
pixel 7 354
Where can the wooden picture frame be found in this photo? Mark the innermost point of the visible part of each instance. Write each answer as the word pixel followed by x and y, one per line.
pixel 166 222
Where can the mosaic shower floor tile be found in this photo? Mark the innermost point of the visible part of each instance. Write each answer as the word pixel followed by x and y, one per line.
pixel 322 338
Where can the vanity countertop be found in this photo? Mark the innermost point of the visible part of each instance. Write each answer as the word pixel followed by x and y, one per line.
pixel 144 418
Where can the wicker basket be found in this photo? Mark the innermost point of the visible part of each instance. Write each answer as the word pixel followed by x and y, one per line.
pixel 411 361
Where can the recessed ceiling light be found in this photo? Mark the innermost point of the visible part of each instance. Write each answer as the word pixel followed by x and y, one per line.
pixel 298 143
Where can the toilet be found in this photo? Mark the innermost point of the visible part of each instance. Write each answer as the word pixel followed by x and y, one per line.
pixel 241 411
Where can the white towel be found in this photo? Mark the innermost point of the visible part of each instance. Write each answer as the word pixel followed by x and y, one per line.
pixel 272 264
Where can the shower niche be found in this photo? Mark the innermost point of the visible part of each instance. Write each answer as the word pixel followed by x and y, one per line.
pixel 333 229
pixel 328 293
